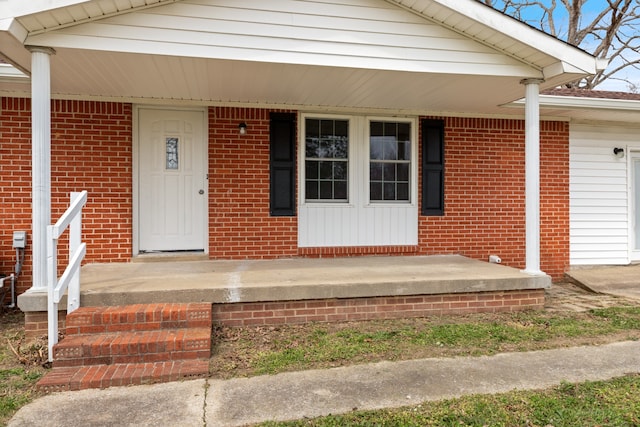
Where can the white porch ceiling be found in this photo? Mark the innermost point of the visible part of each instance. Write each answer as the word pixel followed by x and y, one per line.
pixel 151 77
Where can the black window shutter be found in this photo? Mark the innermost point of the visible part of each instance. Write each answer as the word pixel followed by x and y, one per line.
pixel 433 167
pixel 282 134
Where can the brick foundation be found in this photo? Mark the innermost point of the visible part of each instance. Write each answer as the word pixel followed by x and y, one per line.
pixel 347 309
pixel 35 323
pixel 371 308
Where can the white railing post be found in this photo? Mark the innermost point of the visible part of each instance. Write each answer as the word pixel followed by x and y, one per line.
pixel 52 306
pixel 70 279
pixel 75 240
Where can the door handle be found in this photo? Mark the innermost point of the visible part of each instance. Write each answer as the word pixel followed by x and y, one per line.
pixel 201 191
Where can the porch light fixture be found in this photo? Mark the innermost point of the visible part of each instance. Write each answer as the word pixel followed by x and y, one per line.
pixel 242 128
pixel 618 152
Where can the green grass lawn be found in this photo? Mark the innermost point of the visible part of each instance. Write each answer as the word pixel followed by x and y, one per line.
pixel 252 351
pixel 604 403
pixel 269 350
pixel 20 365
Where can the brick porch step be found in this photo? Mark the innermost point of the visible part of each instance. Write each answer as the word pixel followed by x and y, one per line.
pixel 122 374
pixel 134 344
pixel 133 347
pixel 138 317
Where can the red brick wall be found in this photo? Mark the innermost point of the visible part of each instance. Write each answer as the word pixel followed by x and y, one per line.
pixel 484 194
pixel 92 149
pixel 91 145
pixel 239 222
pixel 484 201
pixel 355 309
pixel 15 182
pixel 554 198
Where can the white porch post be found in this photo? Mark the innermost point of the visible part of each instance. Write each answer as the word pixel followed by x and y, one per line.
pixel 41 161
pixel 532 175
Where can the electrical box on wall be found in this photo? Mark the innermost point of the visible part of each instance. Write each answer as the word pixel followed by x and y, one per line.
pixel 19 239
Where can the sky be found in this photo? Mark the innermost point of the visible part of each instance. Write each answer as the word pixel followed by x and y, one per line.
pixel 591 9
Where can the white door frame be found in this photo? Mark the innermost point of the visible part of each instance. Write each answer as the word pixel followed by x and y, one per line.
pixel 136 171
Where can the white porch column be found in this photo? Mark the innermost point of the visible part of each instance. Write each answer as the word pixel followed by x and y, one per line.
pixel 41 161
pixel 532 175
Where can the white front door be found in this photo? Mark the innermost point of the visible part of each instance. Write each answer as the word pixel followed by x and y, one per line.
pixel 171 180
pixel 635 206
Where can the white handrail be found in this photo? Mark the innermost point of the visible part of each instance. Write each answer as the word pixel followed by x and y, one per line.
pixel 70 279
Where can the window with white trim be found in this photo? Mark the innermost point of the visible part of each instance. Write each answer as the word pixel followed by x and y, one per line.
pixel 326 159
pixel 389 161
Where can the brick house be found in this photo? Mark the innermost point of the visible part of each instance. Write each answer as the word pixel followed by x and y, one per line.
pixel 240 130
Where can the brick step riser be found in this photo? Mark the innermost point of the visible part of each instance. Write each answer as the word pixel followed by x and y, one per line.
pixel 85 377
pixel 132 347
pixel 92 320
pixel 138 358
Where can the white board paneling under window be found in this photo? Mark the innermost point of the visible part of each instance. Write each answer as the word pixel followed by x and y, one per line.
pixel 358 221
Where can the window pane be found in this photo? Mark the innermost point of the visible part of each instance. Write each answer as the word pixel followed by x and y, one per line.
pixel 376 148
pixel 340 170
pixel 390 149
pixel 404 151
pixel 172 154
pixel 375 191
pixel 389 172
pixel 340 190
pixel 326 190
pixel 312 127
pixel 376 129
pixel 311 170
pixel 402 192
pixel 375 171
pixel 389 191
pixel 404 132
pixel 342 128
pixel 326 128
pixel 390 129
pixel 326 170
pixel 311 190
pixel 340 148
pixel 403 172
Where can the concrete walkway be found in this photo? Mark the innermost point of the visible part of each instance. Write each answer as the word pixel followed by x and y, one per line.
pixel 295 395
pixel 621 281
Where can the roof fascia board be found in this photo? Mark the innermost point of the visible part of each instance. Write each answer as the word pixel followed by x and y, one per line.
pixel 62 4
pixel 583 103
pixel 13 27
pixel 514 29
pixel 589 103
pixel 17 8
pixel 12 37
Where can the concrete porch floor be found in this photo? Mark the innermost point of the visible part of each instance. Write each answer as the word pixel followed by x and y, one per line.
pixel 215 281
pixel 295 279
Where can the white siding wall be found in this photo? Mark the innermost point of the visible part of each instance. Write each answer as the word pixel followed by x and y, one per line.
pixel 351 33
pixel 599 206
